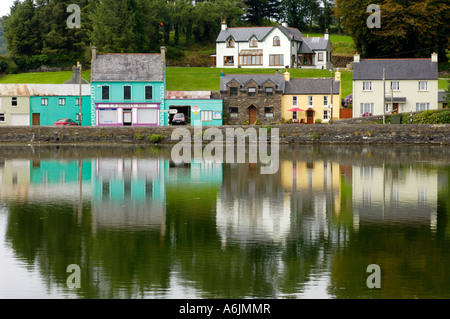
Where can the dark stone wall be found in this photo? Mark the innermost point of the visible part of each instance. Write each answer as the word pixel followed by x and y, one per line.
pixel 288 134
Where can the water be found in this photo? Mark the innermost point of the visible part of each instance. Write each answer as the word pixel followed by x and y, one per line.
pixel 140 226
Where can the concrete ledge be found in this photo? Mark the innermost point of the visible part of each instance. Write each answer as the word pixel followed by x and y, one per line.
pixel 288 133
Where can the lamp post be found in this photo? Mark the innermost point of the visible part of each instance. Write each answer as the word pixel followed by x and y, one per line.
pixel 80 116
pixel 331 105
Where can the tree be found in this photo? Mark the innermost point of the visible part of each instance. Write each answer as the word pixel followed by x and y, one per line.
pixel 408 28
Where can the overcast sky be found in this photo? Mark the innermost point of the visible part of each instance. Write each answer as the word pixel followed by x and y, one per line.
pixel 5 6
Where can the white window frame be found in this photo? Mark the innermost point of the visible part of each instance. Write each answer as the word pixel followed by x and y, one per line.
pixel 325 101
pixel 251 91
pixel 310 100
pixel 325 115
pixel 367 86
pixel 2 117
pixel 423 86
pixel 268 114
pixel 424 106
pixel 294 101
pixel 320 56
pixel 366 108
pixel 395 85
pixel 14 99
pixel 44 101
pixel 234 114
pixel 206 116
pixel 63 100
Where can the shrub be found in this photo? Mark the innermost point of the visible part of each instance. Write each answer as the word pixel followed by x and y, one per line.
pixel 155 138
pixel 318 121
pixel 138 136
pixel 7 65
pixel 257 122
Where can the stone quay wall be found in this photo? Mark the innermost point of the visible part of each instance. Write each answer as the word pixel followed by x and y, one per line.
pixel 288 134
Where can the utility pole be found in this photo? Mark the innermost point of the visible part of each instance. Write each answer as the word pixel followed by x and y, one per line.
pixel 384 95
pixel 80 117
pixel 331 105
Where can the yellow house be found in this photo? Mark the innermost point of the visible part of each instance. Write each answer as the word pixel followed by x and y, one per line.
pixel 312 96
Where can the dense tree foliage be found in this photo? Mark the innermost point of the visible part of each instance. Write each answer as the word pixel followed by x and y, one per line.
pixel 413 28
pixel 36 31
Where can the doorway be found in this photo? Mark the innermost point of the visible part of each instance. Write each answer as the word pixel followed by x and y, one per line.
pixel 36 120
pixel 252 114
pixel 395 108
pixel 127 117
pixel 310 117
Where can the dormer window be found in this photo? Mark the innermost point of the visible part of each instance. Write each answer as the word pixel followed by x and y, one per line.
pixel 230 43
pixel 276 41
pixel 253 43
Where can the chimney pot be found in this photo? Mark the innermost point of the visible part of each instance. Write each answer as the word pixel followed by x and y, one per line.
pixel 94 53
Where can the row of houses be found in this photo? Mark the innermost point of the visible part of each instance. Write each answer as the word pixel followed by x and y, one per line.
pixel 130 90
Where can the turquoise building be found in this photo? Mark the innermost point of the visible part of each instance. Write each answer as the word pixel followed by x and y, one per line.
pixel 198 107
pixel 128 89
pixel 51 102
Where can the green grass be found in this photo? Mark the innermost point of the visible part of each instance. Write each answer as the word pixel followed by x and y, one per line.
pixel 208 79
pixel 41 77
pixel 443 84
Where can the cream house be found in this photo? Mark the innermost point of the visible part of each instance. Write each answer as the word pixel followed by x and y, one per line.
pixel 14 104
pixel 271 47
pixel 408 85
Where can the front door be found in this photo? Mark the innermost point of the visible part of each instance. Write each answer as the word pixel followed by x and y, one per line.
pixel 36 120
pixel 127 118
pixel 252 114
pixel 310 117
pixel 395 108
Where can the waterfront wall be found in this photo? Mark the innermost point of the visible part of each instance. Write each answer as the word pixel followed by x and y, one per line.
pixel 288 133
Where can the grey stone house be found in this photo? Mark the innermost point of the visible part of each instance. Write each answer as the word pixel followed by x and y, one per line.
pixel 252 98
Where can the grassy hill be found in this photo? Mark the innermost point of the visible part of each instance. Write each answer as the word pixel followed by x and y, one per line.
pixel 194 79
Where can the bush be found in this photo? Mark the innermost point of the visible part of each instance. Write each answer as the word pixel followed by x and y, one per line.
pixel 318 121
pixel 155 138
pixel 7 65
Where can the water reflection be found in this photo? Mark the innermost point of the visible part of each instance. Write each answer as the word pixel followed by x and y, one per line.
pixel 140 225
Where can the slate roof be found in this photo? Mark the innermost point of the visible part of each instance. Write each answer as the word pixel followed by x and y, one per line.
pixel 396 69
pixel 316 43
pixel 75 79
pixel 311 86
pixel 441 96
pixel 304 49
pixel 245 34
pixel 242 79
pixel 127 68
pixel 44 89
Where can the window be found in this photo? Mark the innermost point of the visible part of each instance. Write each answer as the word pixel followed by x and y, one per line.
pixel 422 107
pixel 251 59
pixel 206 115
pixel 367 86
pixel 294 115
pixel 253 43
pixel 395 86
pixel 230 43
pixel 2 117
pixel 276 41
pixel 233 91
pixel 251 91
pixel 105 92
pixel 366 108
pixel 44 101
pixel 325 115
pixel 268 111
pixel 149 92
pixel 325 101
pixel 276 59
pixel 423 85
pixel 77 101
pixel 320 56
pixel 269 91
pixel 61 102
pixel 294 101
pixel 310 100
pixel 127 92
pixel 387 107
pixel 228 60
pixel 402 107
pixel 234 111
pixel 14 101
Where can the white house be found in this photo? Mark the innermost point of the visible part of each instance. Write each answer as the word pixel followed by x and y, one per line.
pixel 271 47
pixel 409 85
